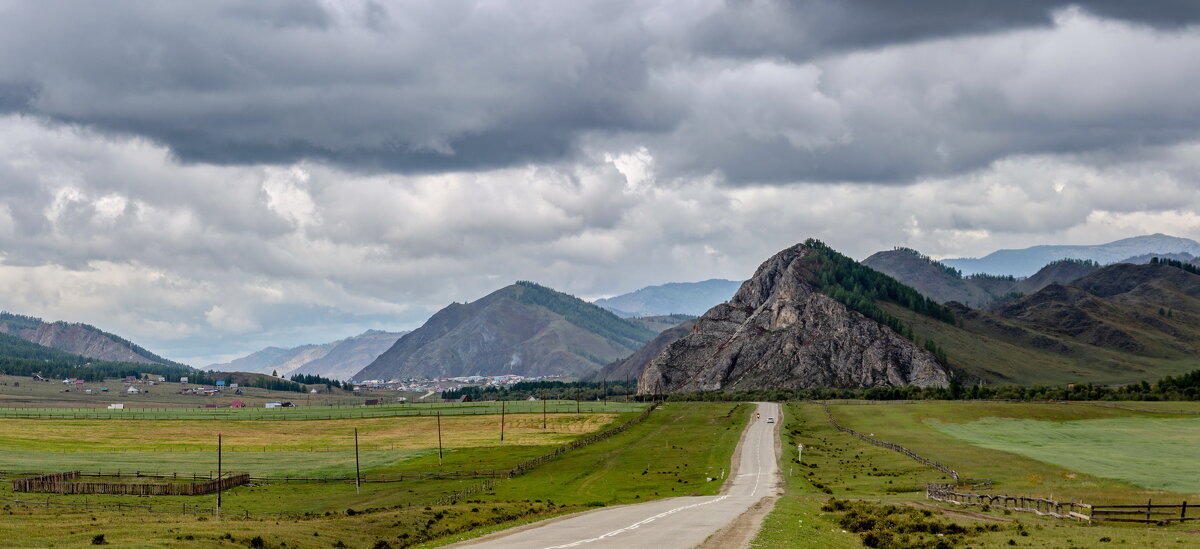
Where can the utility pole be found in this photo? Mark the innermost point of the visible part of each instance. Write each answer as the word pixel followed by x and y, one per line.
pixel 357 470
pixel 501 421
pixel 543 414
pixel 219 475
pixel 439 422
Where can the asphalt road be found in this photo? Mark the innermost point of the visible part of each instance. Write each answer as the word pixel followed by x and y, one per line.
pixel 674 523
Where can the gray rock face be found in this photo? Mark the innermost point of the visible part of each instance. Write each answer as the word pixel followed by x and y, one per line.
pixel 779 332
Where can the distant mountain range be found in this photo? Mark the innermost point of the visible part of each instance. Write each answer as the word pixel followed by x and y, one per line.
pixel 78 339
pixel 1027 261
pixel 523 329
pixel 335 360
pixel 945 284
pixel 689 298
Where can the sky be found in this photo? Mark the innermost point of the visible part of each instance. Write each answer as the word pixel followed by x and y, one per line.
pixel 210 178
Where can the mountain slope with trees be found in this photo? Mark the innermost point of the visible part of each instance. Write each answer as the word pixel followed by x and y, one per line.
pixel 79 339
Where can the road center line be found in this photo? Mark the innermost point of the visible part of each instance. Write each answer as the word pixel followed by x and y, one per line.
pixel 635 525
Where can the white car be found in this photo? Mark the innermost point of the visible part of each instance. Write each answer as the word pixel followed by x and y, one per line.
pixel 770 420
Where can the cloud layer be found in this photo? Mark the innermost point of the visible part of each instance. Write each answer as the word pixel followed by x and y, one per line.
pixel 221 176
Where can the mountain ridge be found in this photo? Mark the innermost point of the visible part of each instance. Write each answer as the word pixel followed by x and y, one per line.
pixel 78 338
pixel 1026 261
pixel 523 328
pixel 689 298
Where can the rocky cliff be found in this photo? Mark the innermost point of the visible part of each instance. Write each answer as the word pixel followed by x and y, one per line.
pixel 778 331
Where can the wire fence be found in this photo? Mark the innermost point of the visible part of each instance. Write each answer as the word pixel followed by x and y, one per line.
pixel 893 447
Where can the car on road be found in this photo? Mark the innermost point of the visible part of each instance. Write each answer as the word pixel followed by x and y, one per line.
pixel 770 420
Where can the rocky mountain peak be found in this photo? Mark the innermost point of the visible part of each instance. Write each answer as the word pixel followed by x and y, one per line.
pixel 780 331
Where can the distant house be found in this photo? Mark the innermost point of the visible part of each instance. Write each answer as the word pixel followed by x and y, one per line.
pixel 371 402
pixel 531 397
pixel 273 405
pixel 132 390
pixel 183 380
pixel 464 398
pixel 237 404
pixel 220 383
pixel 78 382
pixel 116 406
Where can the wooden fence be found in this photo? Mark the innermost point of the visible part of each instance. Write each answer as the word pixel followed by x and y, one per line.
pixel 451 498
pixel 1149 513
pixel 68 483
pixel 890 446
pixel 1041 506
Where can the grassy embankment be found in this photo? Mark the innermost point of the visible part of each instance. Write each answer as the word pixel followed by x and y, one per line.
pixel 836 465
pixel 671 453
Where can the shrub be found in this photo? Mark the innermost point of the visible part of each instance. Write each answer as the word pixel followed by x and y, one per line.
pixel 98 539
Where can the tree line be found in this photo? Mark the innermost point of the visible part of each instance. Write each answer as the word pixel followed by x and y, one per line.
pixel 547 390
pixel 1184 387
pixel 310 379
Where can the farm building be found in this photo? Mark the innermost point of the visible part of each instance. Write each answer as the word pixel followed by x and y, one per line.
pixel 273 405
pixel 237 404
pixel 132 390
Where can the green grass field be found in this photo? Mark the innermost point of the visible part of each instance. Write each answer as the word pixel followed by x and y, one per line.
pixel 1154 453
pixel 316 447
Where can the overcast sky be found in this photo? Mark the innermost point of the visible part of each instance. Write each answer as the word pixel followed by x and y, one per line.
pixel 208 178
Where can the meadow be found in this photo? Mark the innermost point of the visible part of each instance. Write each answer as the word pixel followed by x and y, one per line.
pixel 675 451
pixel 835 465
pixel 1153 453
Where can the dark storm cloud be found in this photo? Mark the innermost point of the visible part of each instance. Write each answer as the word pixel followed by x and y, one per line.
pixel 803 29
pixel 447 85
